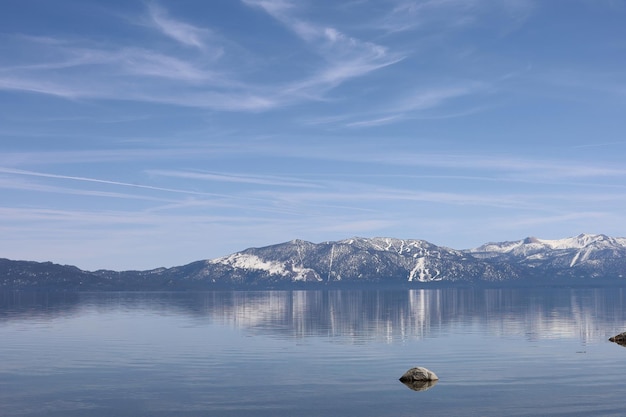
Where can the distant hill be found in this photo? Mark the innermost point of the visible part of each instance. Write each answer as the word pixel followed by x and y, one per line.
pixel 354 263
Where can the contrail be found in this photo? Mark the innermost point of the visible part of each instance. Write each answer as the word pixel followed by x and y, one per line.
pixel 99 181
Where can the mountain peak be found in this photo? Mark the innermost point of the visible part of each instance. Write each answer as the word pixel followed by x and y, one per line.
pixel 531 239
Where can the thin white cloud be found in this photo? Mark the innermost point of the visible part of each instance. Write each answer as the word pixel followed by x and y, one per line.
pixel 235 200
pixel 148 63
pixel 504 166
pixel 433 97
pixel 276 8
pixel 182 32
pixel 234 178
pixel 12 184
pixel 377 121
pixel 414 106
pixel 345 57
pixel 409 15
pixel 238 101
pixel 360 192
pixel 339 71
pixel 153 149
pixel 107 218
pixel 101 60
pixel 15 83
pixel 100 181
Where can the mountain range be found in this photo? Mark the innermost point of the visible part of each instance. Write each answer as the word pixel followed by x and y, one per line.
pixel 354 263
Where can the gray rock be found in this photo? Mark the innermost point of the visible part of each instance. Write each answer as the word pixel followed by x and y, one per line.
pixel 418 374
pixel 620 339
pixel 419 379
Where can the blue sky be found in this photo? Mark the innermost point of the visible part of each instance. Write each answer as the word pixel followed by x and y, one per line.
pixel 139 134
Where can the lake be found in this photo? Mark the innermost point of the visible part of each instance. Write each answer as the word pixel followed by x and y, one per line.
pixel 513 352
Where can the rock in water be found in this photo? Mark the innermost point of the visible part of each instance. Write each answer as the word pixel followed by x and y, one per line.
pixel 419 379
pixel 620 339
pixel 418 374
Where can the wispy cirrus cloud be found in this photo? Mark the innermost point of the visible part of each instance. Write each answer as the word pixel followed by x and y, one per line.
pixel 344 57
pixel 409 15
pixel 235 178
pixel 507 167
pixel 413 106
pixel 46 54
pixel 432 97
pixel 376 121
pixel 196 76
pixel 180 31
pixel 122 77
pixel 88 69
pixel 363 193
pixel 77 69
pixel 39 86
pixel 80 69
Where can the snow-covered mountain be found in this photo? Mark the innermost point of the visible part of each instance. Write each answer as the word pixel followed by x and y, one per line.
pixel 583 255
pixel 532 245
pixel 377 262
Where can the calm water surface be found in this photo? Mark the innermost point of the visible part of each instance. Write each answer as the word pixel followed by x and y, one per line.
pixel 317 353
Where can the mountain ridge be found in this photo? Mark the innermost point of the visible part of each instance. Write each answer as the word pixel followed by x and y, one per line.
pixel 586 259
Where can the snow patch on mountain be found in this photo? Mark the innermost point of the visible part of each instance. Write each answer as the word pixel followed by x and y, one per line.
pixel 422 273
pixel 577 257
pixel 387 244
pixel 253 262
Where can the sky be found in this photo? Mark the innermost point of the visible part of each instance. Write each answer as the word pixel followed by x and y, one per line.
pixel 145 134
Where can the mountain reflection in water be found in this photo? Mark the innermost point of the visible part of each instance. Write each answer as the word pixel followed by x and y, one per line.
pixel 358 316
